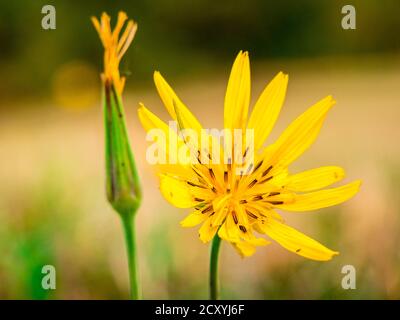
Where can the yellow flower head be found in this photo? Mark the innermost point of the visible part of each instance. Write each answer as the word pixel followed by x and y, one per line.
pixel 239 206
pixel 114 46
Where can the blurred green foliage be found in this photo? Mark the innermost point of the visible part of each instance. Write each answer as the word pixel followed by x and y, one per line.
pixel 178 35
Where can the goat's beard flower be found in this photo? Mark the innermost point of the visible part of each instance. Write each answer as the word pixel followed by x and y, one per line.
pixel 238 206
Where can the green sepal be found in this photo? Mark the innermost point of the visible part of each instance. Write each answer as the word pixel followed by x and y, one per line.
pixel 122 180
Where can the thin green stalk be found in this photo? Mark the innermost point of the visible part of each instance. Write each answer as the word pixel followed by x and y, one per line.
pixel 214 280
pixel 128 222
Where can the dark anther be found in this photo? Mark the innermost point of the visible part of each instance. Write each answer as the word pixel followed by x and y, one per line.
pixel 245 152
pixel 207 209
pixel 235 219
pixel 273 194
pixel 258 166
pixel 251 214
pixel 211 173
pixel 195 185
pixel 265 180
pixel 253 183
pixel 267 171
pixel 275 202
pixel 250 167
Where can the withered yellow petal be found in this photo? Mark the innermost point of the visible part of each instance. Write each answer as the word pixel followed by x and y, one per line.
pixel 297 242
pixel 237 97
pixel 267 108
pixel 301 133
pixel 322 199
pixel 314 179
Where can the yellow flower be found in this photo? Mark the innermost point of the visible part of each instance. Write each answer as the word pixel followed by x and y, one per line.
pixel 114 46
pixel 237 206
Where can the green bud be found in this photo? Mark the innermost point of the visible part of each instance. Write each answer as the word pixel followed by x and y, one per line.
pixel 122 181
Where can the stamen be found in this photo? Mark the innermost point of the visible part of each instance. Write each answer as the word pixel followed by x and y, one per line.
pixel 209 208
pixel 274 194
pixel 198 199
pixel 195 185
pixel 275 202
pixel 258 166
pixel 235 219
pixel 198 154
pixel 265 180
pixel 250 214
pixel 267 171
pixel 243 201
pixel 252 183
pixel 243 228
pixel 258 197
pixel 249 168
pixel 210 170
pixel 245 152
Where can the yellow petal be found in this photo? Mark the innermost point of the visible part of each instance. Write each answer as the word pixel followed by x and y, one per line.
pixel 176 192
pixel 219 216
pixel 171 142
pixel 207 231
pixel 301 133
pixel 229 230
pixel 267 108
pixel 245 249
pixel 314 179
pixel 193 219
pixel 323 198
pixel 248 248
pixel 150 121
pixel 171 101
pixel 237 97
pixel 297 242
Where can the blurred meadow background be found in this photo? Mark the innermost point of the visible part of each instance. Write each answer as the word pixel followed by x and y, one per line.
pixel 53 208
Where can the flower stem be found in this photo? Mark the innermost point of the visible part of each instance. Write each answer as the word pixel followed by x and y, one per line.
pixel 214 281
pixel 128 223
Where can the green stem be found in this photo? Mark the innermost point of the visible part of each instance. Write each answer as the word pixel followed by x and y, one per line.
pixel 214 281
pixel 128 223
